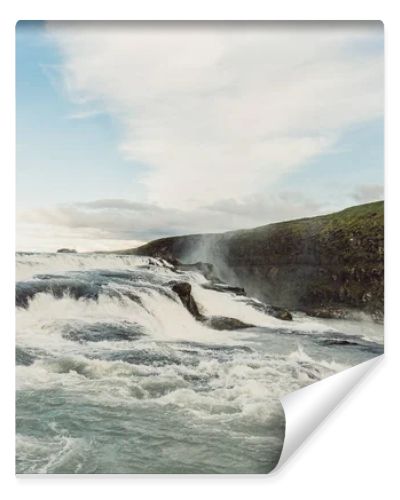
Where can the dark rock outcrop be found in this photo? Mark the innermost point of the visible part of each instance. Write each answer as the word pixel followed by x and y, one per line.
pixel 282 314
pixel 221 287
pixel 276 312
pixel 184 291
pixel 224 323
pixel 329 312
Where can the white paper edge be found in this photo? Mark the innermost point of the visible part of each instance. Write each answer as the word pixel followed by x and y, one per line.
pixel 306 408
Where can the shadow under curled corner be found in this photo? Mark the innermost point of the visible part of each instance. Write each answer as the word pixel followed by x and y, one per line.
pixel 306 408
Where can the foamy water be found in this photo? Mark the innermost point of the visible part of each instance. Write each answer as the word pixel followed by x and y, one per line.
pixel 115 375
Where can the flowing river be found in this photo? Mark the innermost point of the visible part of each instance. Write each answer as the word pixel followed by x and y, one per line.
pixel 114 375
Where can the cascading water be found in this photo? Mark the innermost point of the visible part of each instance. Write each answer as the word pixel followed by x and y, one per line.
pixel 114 375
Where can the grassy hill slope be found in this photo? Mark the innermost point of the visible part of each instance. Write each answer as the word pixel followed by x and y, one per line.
pixel 333 260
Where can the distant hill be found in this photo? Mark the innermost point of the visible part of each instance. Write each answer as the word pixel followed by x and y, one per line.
pixel 330 261
pixel 66 250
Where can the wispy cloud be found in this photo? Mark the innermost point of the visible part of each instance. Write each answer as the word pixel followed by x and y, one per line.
pixel 223 110
pixel 128 221
pixel 119 223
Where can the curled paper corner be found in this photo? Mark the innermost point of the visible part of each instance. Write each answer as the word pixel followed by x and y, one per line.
pixel 306 408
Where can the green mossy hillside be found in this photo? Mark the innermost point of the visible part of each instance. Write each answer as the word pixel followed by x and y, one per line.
pixel 334 260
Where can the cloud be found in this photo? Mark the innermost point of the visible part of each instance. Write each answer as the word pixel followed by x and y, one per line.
pixel 124 223
pixel 223 110
pixel 368 192
pixel 46 237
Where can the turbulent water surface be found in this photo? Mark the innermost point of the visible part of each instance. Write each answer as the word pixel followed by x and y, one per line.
pixel 114 375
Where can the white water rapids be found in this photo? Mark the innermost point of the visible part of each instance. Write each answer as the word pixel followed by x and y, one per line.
pixel 115 375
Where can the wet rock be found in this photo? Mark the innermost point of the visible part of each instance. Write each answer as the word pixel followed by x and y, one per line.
pixel 336 312
pixel 328 312
pixel 224 323
pixel 274 311
pixel 220 287
pixel 283 314
pixel 338 342
pixel 184 291
pixel 133 297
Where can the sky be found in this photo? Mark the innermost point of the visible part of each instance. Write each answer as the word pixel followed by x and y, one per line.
pixel 131 131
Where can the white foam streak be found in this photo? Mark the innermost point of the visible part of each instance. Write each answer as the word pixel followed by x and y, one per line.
pixel 215 303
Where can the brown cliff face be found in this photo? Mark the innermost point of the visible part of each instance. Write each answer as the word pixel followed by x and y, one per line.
pixel 331 261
